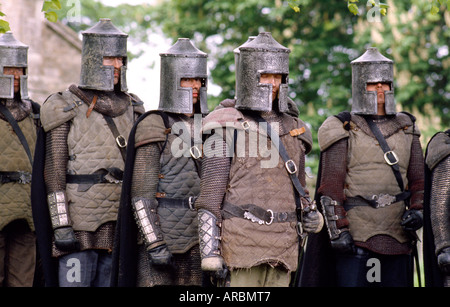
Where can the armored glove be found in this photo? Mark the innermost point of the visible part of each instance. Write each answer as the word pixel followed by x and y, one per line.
pixel 444 260
pixel 65 239
pixel 344 243
pixel 160 255
pixel 209 237
pixel 312 219
pixel 412 220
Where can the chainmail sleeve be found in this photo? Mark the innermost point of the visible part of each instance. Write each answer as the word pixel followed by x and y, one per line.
pixel 334 170
pixel 146 171
pixel 56 158
pixel 440 204
pixel 416 177
pixel 214 177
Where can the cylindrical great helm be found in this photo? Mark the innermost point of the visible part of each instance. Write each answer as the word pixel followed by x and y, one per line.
pixel 13 54
pixel 182 60
pixel 103 39
pixel 236 58
pixel 371 67
pixel 263 55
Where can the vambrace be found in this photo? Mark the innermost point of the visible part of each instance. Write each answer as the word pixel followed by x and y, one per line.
pixel 209 236
pixel 147 221
pixel 59 210
pixel 209 233
pixel 332 215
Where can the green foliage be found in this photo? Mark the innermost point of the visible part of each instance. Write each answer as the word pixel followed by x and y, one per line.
pixel 4 25
pixel 324 38
pixel 436 4
pixel 48 8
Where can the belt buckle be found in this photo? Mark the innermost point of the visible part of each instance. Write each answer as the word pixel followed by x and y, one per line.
pixel 191 201
pixel 387 159
pixel 24 177
pixel 250 216
pixel 197 154
pixel 245 125
pixel 288 165
pixel 121 141
pixel 383 200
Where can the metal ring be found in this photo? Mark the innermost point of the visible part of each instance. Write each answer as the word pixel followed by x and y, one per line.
pixel 199 153
pixel 121 141
pixel 290 162
pixel 245 125
pixel 271 217
pixel 191 202
pixel 387 159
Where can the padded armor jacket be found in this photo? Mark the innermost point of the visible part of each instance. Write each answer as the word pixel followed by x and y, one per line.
pixel 368 173
pixel 92 147
pixel 178 178
pixel 15 196
pixel 258 177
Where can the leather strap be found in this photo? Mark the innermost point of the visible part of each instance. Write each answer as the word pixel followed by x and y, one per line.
pixel 389 155
pixel 288 162
pixel 177 202
pixel 12 121
pixel 257 214
pixel 120 140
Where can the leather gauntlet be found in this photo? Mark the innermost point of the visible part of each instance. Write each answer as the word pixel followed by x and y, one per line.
pixel 341 239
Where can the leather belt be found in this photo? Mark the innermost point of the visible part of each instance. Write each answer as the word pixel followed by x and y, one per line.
pixel 376 201
pixel 20 177
pixel 257 214
pixel 177 202
pixel 101 176
pixel 86 181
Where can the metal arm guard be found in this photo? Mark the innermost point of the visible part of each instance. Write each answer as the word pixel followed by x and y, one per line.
pixel 147 221
pixel 209 235
pixel 329 210
pixel 59 210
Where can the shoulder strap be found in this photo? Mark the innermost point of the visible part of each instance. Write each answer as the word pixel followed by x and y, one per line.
pixel 120 140
pixel 390 158
pixel 12 121
pixel 345 118
pixel 289 163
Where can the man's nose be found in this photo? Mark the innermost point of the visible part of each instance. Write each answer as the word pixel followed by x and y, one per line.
pixel 117 63
pixel 196 84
